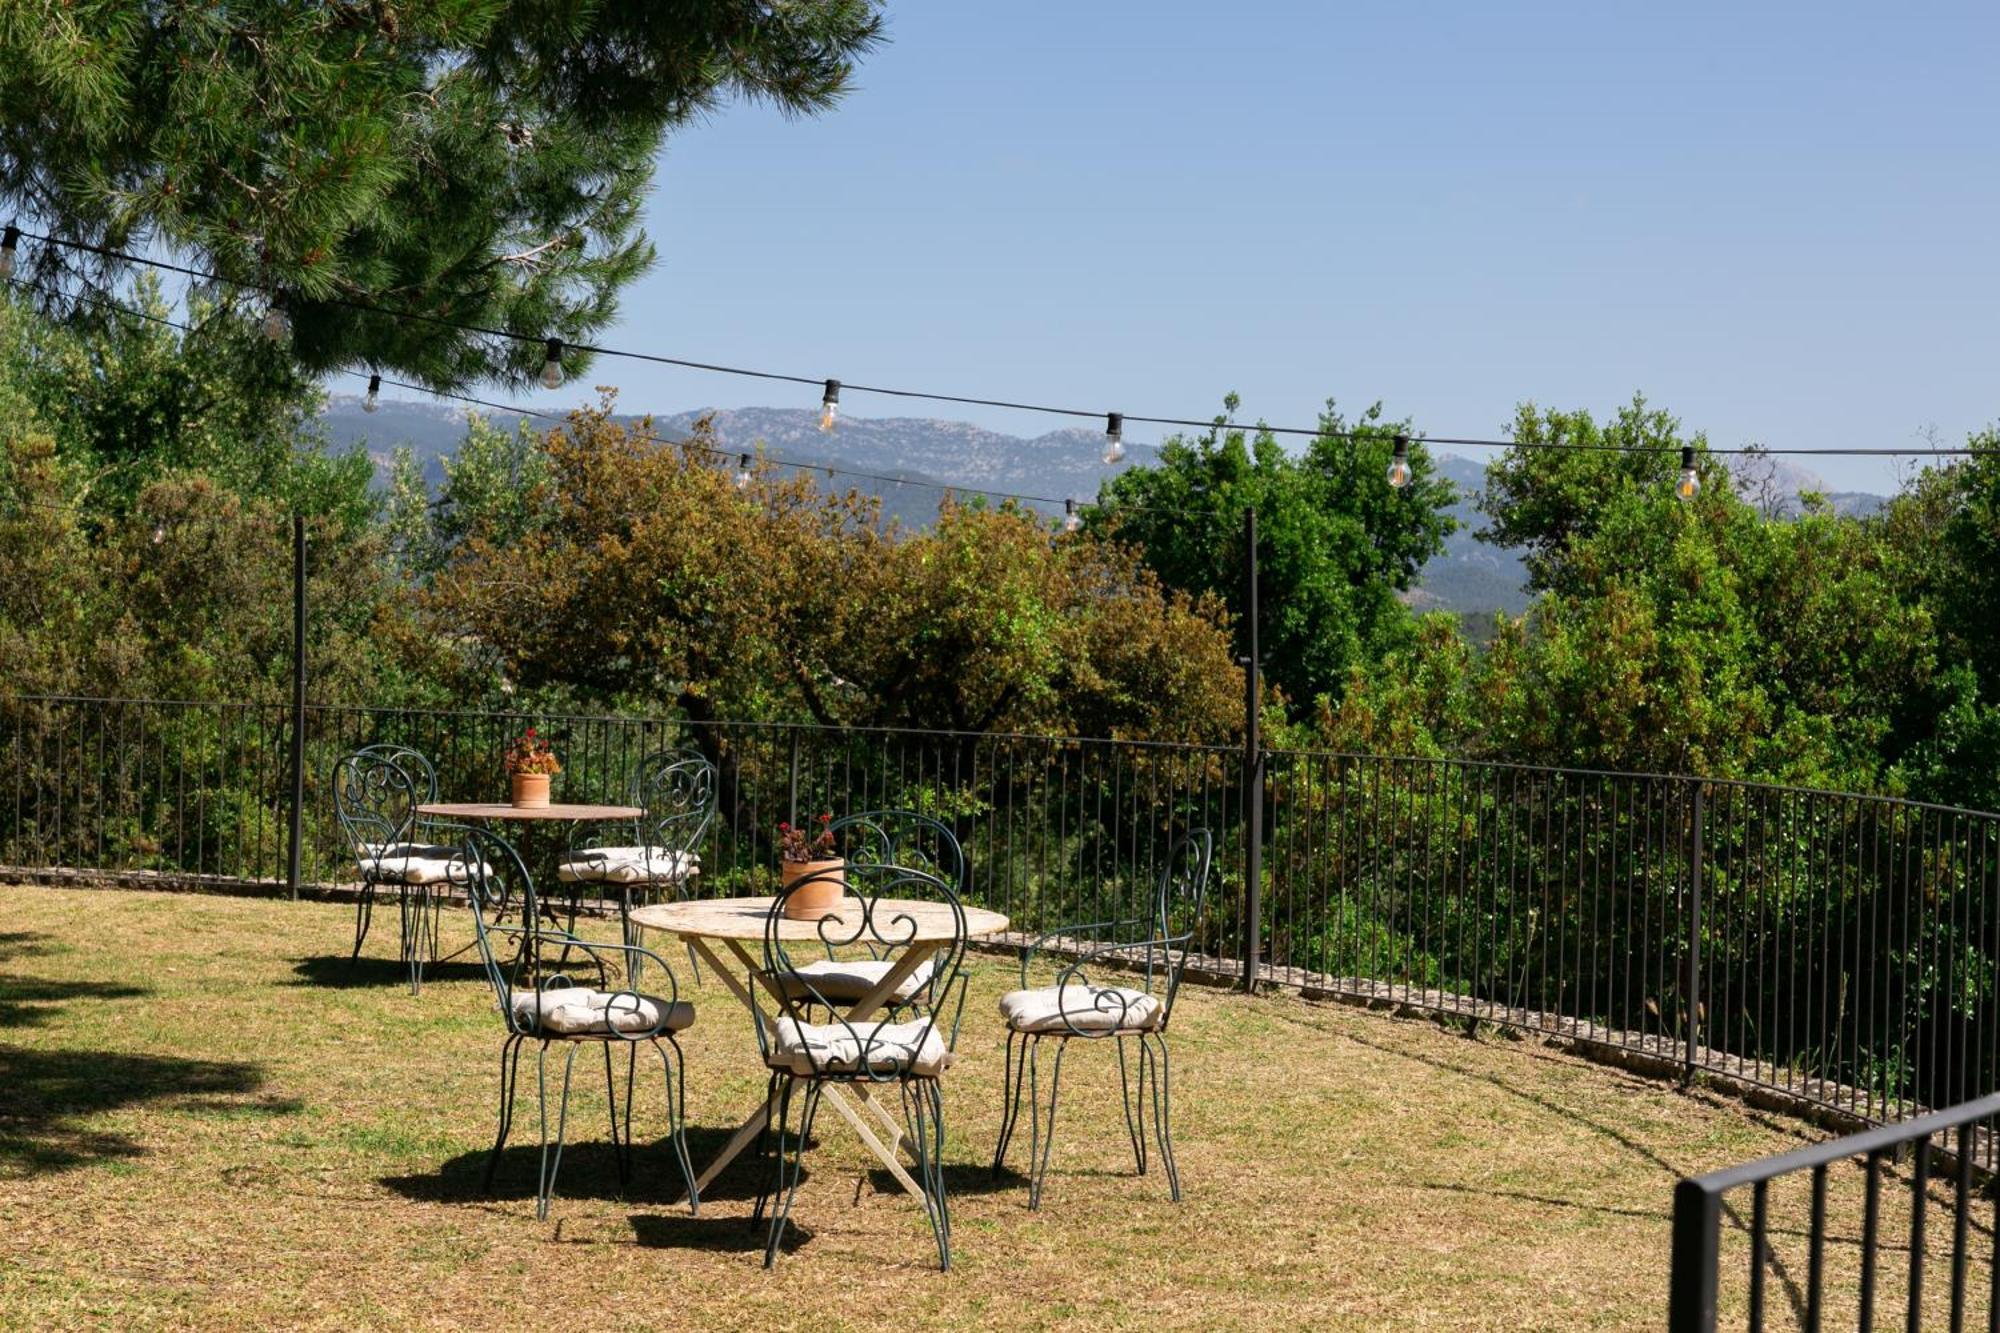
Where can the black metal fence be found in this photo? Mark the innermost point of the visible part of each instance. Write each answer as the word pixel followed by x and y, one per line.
pixel 1835 947
pixel 1816 1253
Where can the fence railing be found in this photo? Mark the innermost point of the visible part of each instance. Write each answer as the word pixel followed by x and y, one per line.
pixel 1838 948
pixel 1838 1245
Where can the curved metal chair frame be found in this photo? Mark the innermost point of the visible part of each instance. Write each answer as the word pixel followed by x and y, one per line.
pixel 868 922
pixel 493 874
pixel 677 791
pixel 376 792
pixel 900 838
pixel 1160 956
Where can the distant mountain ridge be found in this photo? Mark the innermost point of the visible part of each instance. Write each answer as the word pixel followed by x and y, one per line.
pixel 1470 577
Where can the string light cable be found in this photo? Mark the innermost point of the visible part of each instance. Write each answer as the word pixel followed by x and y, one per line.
pixel 1114 450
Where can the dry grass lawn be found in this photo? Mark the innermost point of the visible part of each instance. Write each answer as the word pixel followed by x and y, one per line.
pixel 207 1121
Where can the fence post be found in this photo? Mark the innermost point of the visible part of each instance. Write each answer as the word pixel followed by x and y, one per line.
pixel 298 756
pixel 792 808
pixel 1694 938
pixel 1253 768
pixel 1691 1284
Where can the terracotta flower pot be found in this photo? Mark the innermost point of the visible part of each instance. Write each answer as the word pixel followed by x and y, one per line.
pixel 824 890
pixel 531 791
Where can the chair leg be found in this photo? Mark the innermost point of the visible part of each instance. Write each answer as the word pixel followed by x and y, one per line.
pixel 364 911
pixel 634 964
pixel 775 1100
pixel 1135 1116
pixel 787 1186
pixel 510 1078
pixel 923 1107
pixel 1041 1141
pixel 1162 1105
pixel 1011 1083
pixel 675 1070
pixel 411 926
pixel 621 1147
pixel 552 1165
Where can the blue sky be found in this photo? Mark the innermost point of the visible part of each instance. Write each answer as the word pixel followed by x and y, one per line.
pixel 1777 221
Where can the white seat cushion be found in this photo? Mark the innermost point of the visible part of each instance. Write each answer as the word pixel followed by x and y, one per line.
pixel 412 863
pixel 846 982
pixel 881 1049
pixel 629 865
pixel 1079 1008
pixel 579 1011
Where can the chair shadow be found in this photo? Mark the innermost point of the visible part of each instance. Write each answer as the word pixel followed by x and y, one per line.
pixel 339 972
pixel 51 1093
pixel 726 1235
pixel 589 1168
pixel 961 1179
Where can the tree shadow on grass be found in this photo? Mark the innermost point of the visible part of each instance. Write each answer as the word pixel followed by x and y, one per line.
pixel 339 972
pixel 589 1168
pixel 46 1097
pixel 33 1001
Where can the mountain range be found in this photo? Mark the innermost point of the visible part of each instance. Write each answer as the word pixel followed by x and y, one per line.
pixel 909 457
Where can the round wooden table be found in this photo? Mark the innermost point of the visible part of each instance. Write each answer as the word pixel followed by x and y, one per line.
pixel 575 814
pixel 733 922
pixel 537 814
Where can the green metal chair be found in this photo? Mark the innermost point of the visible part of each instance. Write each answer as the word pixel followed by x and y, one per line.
pixel 555 989
pixel 655 855
pixel 909 1048
pixel 1077 1007
pixel 376 792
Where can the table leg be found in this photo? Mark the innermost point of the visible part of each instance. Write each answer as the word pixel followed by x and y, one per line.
pixel 867 1006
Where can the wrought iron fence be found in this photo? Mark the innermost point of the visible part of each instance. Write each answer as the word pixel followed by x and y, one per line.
pixel 1838 948
pixel 1808 1258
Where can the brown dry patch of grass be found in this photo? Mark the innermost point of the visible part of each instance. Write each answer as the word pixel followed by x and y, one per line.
pixel 206 1121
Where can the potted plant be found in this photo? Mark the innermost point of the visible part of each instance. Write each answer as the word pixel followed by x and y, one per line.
pixel 811 862
pixel 530 765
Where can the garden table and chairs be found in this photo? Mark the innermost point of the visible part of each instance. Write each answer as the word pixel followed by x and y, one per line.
pixel 885 1024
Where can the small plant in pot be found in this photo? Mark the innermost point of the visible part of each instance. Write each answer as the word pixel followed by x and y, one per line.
pixel 530 765
pixel 811 862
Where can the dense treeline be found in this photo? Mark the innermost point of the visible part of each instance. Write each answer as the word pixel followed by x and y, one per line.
pixel 150 476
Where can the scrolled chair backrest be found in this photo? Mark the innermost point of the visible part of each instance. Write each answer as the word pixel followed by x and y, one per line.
pixel 376 792
pixel 1161 955
pixel 676 789
pixel 880 913
pixel 1177 904
pixel 904 838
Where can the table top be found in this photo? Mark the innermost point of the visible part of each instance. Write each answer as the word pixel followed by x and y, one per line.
pixel 502 810
pixel 743 919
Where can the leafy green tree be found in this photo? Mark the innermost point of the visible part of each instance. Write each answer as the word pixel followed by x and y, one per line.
pixel 477 161
pixel 643 576
pixel 1335 543
pixel 130 398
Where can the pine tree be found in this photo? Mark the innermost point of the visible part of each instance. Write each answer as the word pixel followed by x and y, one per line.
pixel 481 162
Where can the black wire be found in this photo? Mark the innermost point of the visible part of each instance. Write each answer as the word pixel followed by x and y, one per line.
pixel 1192 423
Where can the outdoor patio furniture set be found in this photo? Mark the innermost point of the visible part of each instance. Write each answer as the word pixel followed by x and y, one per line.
pixel 864 999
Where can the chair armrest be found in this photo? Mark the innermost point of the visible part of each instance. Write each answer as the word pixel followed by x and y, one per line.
pixel 1089 928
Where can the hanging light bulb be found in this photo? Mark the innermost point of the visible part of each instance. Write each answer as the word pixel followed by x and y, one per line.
pixel 1114 437
pixel 743 473
pixel 829 405
pixel 277 325
pixel 374 398
pixel 552 364
pixel 1072 521
pixel 10 241
pixel 1399 465
pixel 1690 480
